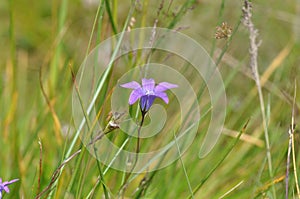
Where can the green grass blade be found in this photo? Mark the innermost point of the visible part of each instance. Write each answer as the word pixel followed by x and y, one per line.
pixel 227 152
pixel 181 13
pixel 183 167
pixel 110 15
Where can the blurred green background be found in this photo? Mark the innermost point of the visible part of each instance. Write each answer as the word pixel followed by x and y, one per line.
pixel 43 42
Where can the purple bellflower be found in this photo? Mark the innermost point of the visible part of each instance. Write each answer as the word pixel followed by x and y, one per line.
pixel 148 92
pixel 3 186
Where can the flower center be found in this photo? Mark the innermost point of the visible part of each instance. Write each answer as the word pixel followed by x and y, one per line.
pixel 149 92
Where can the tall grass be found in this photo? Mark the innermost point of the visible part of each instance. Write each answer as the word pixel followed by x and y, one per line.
pixel 44 44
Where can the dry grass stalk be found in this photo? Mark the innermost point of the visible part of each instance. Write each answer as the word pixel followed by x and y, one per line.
pixel 253 51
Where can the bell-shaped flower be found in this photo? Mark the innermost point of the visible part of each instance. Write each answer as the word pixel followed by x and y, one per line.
pixel 147 92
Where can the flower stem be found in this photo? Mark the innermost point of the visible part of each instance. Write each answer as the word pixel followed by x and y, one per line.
pixel 139 132
pixel 124 185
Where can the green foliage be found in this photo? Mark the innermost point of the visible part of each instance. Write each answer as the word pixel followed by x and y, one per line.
pixel 43 44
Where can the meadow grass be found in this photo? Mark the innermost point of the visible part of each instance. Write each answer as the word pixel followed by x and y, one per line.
pixel 43 45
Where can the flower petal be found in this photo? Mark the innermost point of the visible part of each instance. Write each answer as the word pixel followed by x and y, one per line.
pixel 148 84
pixel 163 86
pixel 132 85
pixel 12 181
pixel 6 189
pixel 163 96
pixel 135 95
pixel 146 102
